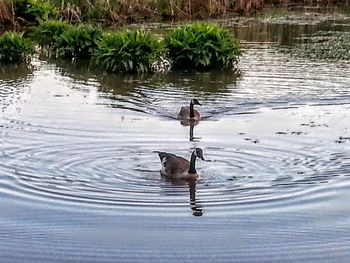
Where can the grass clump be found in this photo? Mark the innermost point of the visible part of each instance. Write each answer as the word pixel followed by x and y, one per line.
pixel 47 32
pixel 78 41
pixel 128 51
pixel 202 46
pixel 14 48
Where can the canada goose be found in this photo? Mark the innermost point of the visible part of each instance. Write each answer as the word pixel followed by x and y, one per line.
pixel 189 113
pixel 176 167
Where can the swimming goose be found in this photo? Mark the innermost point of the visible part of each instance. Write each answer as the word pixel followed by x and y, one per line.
pixel 176 167
pixel 189 113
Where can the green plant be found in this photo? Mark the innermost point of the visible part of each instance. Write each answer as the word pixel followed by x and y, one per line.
pixel 78 41
pixel 34 11
pixel 14 48
pixel 128 51
pixel 47 32
pixel 202 46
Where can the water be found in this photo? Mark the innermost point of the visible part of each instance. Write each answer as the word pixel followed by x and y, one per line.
pixel 80 177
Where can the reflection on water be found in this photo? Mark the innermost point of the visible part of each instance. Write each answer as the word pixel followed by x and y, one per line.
pixel 12 82
pixel 88 141
pixel 284 27
pixel 195 206
pixel 79 177
pixel 190 124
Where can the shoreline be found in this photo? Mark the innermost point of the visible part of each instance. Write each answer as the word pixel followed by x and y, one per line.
pixel 10 20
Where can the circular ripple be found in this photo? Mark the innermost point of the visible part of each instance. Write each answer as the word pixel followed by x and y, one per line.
pixel 67 147
pixel 125 175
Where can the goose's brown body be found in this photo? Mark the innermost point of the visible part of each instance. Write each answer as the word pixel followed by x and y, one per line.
pixel 184 114
pixel 189 113
pixel 177 167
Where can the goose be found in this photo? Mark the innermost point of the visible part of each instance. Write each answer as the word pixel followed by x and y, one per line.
pixel 177 167
pixel 189 113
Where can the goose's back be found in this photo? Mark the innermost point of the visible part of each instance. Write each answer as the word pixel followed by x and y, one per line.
pixel 185 113
pixel 173 166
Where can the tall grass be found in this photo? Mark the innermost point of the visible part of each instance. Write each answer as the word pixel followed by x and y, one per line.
pixel 6 13
pixel 131 10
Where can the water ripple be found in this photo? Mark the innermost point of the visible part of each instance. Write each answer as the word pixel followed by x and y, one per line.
pixel 88 142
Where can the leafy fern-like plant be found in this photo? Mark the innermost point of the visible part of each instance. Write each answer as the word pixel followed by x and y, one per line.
pixel 47 32
pixel 78 41
pixel 34 11
pixel 202 46
pixel 14 48
pixel 128 51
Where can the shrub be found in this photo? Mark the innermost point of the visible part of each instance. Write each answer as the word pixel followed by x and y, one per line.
pixel 35 10
pixel 78 41
pixel 128 51
pixel 47 32
pixel 14 48
pixel 202 46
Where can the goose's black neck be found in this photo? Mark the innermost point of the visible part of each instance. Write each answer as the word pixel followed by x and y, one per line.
pixel 191 110
pixel 192 169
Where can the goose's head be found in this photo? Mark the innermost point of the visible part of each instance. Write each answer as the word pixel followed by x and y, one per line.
pixel 198 152
pixel 195 102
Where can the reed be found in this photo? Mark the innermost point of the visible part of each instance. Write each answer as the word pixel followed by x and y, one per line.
pixel 7 15
pixel 135 10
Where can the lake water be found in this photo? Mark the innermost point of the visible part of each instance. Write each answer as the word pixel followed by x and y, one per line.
pixel 79 176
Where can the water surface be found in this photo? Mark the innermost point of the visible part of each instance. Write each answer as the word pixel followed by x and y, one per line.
pixel 80 177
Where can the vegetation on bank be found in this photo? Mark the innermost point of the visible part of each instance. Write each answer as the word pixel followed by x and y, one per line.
pixel 202 46
pixel 19 12
pixel 14 48
pixel 197 46
pixel 33 10
pixel 80 41
pixel 47 32
pixel 128 51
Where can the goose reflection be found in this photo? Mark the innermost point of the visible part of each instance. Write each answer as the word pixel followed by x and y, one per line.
pixel 191 124
pixel 195 205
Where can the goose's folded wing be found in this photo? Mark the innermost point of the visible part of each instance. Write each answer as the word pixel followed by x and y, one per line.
pixel 176 165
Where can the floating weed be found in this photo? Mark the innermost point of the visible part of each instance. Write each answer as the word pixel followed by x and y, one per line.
pixel 323 45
